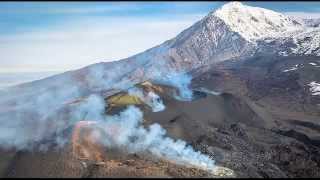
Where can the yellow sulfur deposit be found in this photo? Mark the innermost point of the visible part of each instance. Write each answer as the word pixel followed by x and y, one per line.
pixel 123 99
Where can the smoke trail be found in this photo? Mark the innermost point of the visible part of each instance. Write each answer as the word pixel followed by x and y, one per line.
pixel 181 81
pixel 44 110
pixel 37 111
pixel 151 98
pixel 125 131
pixel 27 118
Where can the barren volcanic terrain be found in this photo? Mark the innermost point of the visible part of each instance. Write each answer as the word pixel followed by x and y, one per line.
pixel 235 95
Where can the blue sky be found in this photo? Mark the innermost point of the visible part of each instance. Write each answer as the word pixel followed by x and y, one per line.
pixel 51 36
pixel 22 16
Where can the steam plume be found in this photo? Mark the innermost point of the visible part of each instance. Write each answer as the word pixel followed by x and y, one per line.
pixel 179 80
pixel 44 110
pixel 125 131
pixel 151 98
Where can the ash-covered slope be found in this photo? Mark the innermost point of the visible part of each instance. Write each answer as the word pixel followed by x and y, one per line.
pixel 228 33
pixel 36 111
pixel 240 122
pixel 230 128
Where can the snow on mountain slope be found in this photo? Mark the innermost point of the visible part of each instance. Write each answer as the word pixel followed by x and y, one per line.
pixel 254 22
pixel 308 42
pixel 300 42
pixel 233 31
pixel 312 22
pixel 208 41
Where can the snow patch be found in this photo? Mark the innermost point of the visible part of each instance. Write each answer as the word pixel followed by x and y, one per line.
pixel 314 88
pixel 291 69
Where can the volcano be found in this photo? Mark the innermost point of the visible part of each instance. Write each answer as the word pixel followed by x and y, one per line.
pixel 234 95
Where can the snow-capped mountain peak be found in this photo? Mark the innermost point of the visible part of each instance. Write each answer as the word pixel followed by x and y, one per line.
pixel 253 22
pixel 234 31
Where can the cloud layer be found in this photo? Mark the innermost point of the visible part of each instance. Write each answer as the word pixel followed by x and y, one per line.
pixel 74 44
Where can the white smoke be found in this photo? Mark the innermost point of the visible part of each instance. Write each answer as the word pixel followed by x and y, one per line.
pixel 35 114
pixel 150 98
pixel 205 90
pixel 125 131
pixel 156 102
pixel 43 111
pixel 181 81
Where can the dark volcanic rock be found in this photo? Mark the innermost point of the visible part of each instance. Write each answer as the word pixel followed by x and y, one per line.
pixel 286 144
